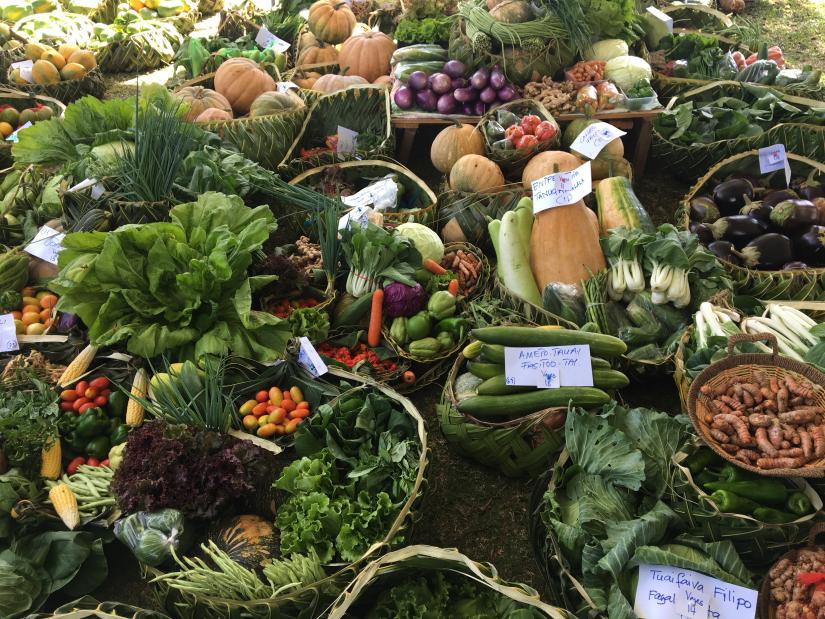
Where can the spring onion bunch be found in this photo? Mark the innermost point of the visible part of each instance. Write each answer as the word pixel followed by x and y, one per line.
pixel 713 321
pixel 376 256
pixel 623 250
pixel 791 328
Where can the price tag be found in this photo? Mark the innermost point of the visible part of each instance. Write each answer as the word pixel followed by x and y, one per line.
pixel 548 366
pixel 285 86
pixel 347 140
pixel 46 244
pixel 359 215
pixel 310 359
pixel 594 138
pixel 663 17
pixel 25 68
pixel 8 334
pixel 666 592
pixel 562 188
pixel 381 194
pixel 265 39
pixel 13 137
pixel 773 158
pixel 97 190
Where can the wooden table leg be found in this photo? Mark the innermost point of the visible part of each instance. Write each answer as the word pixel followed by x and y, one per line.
pixel 641 131
pixel 407 139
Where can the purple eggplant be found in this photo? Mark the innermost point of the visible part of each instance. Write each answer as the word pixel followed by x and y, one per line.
pixel 65 322
pixel 497 78
pixel 447 104
pixel 724 250
pixel 488 95
pixel 440 83
pixel 468 109
pixel 757 209
pixel 480 78
pixel 703 209
pixel 479 108
pixel 426 100
pixel 768 252
pixel 703 231
pixel 454 68
pixel 466 95
pixel 772 198
pixel 738 229
pixel 730 195
pixel 417 80
pixel 796 264
pixel 810 246
pixel 459 82
pixel 794 215
pixel 508 93
pixel 404 97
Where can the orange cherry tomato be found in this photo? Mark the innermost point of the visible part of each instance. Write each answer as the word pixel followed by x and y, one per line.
pixel 259 409
pixel 262 396
pixel 266 431
pixel 101 382
pixel 288 405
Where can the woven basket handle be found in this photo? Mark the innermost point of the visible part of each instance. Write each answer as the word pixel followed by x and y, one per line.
pixel 733 340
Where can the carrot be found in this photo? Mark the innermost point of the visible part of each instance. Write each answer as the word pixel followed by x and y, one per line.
pixel 374 331
pixel 433 267
pixel 452 287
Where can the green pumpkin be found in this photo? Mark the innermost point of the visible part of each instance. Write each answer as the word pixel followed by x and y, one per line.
pixel 249 540
pixel 513 12
pixel 273 102
pixel 522 65
pixel 574 129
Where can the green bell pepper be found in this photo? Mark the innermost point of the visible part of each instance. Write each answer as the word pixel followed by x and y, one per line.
pixel 799 504
pixel 763 490
pixel 445 340
pixel 425 348
pixel 770 515
pixel 418 326
pixel 457 327
pixel 93 422
pixel 441 305
pixel 119 434
pixel 77 443
pixel 732 503
pixel 98 447
pixel 398 330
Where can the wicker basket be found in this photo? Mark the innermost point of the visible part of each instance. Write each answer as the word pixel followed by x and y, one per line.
pixel 184 22
pixel 234 22
pixel 68 91
pixel 423 203
pixel 310 600
pixel 104 13
pixel 20 101
pixel 89 607
pixel 512 161
pixel 365 109
pixel 263 139
pixel 485 278
pixel 8 56
pixel 517 447
pixel 420 559
pixel 690 161
pixel 210 7
pixel 141 52
pixel 742 367
pixel 797 285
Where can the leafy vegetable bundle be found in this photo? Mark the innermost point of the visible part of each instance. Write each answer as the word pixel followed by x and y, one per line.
pixel 180 286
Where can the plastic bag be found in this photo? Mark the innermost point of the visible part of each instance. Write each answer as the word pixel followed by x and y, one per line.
pixel 565 301
pixel 727 67
pixel 152 535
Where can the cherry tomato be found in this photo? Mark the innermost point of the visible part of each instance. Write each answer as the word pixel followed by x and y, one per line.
pixel 71 468
pixel 100 382
pixel 93 462
pixel 101 401
pixel 86 407
pixel 69 395
pixel 81 388
pixel 78 403
pixel 91 393
pixel 67 406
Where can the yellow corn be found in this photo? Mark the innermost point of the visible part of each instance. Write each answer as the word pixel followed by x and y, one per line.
pixel 64 502
pixel 50 460
pixel 134 410
pixel 78 366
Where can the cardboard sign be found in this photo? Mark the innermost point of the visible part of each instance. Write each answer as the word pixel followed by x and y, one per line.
pixel 347 140
pixel 548 367
pixel 562 188
pixel 8 334
pixel 666 592
pixel 46 244
pixel 773 158
pixel 13 136
pixel 310 359
pixel 381 194
pixel 265 39
pixel 594 138
pixel 285 86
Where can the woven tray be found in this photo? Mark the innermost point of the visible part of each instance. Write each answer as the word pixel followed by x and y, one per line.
pixel 141 52
pixel 742 366
pixel 20 101
pixel 797 285
pixel 517 447
pixel 68 91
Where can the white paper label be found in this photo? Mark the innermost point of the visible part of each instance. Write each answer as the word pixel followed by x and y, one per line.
pixel 548 366
pixel 773 158
pixel 359 215
pixel 347 139
pixel 46 244
pixel 663 17
pixel 285 86
pixel 666 592
pixel 382 194
pixel 97 190
pixel 562 188
pixel 13 137
pixel 8 334
pixel 594 138
pixel 83 184
pixel 25 68
pixel 310 359
pixel 266 39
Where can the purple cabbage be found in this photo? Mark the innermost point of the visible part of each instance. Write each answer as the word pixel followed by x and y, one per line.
pixel 403 300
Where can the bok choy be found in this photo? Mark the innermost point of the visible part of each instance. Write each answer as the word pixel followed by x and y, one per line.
pixel 376 256
pixel 623 250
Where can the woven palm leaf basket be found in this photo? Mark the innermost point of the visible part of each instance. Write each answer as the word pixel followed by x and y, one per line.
pixel 8 56
pixel 415 561
pixel 142 51
pixel 184 22
pixel 794 285
pixel 210 7
pixel 20 101
pixel 234 22
pixel 89 607
pixel 68 91
pixel 263 139
pixel 417 200
pixel 363 109
pixel 104 13
pixel 690 161
pixel 310 600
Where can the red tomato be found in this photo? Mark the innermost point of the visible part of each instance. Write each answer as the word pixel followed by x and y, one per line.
pixel 93 462
pixel 71 469
pixel 262 396
pixel 546 131
pixel 69 395
pixel 514 133
pixel 529 124
pixel 104 462
pixel 99 383
pixel 78 403
pixel 81 388
pixel 86 407
pixel 101 401
pixel 527 142
pixel 67 406
pixel 90 394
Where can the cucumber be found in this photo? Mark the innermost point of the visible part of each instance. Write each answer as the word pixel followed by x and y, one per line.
pixel 598 362
pixel 600 345
pixel 492 353
pixel 353 314
pixel 491 406
pixel 609 379
pixel 602 379
pixel 485 370
pixel 420 53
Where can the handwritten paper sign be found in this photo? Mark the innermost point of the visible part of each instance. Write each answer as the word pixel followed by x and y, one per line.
pixel 8 334
pixel 46 244
pixel 562 188
pixel 666 592
pixel 285 86
pixel 347 140
pixel 265 39
pixel 359 215
pixel 13 136
pixel 25 68
pixel 310 359
pixel 381 194
pixel 773 158
pixel 97 187
pixel 594 138
pixel 548 367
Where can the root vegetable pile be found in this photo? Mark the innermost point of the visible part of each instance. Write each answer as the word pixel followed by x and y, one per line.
pixel 586 71
pixel 798 587
pixel 766 422
pixel 466 267
pixel 557 97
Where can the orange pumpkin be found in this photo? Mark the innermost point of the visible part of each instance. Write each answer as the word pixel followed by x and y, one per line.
pixel 241 81
pixel 331 20
pixel 452 143
pixel 383 80
pixel 199 99
pixel 331 83
pixel 320 53
pixel 367 55
pixel 212 114
pixel 475 174
pixel 306 79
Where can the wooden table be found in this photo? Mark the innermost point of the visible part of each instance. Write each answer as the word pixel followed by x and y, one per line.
pixel 637 124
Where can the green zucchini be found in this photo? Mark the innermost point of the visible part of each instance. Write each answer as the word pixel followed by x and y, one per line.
pixel 602 379
pixel 423 52
pixel 598 362
pixel 600 345
pixel 485 370
pixel 492 353
pixel 353 314
pixel 517 405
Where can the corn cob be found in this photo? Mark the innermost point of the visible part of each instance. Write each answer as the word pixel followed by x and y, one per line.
pixel 134 410
pixel 78 366
pixel 50 459
pixel 65 504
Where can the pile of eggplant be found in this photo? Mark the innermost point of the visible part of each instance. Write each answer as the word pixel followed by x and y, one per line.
pixel 746 223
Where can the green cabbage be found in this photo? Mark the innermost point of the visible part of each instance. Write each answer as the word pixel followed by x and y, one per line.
pixel 625 71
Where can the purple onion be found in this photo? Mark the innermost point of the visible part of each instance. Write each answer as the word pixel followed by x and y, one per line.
pixel 480 78
pixel 426 100
pixel 440 83
pixel 454 68
pixel 404 97
pixel 447 104
pixel 497 78
pixel 466 95
pixel 459 82
pixel 479 108
pixel 507 93
pixel 468 109
pixel 417 80
pixel 488 95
